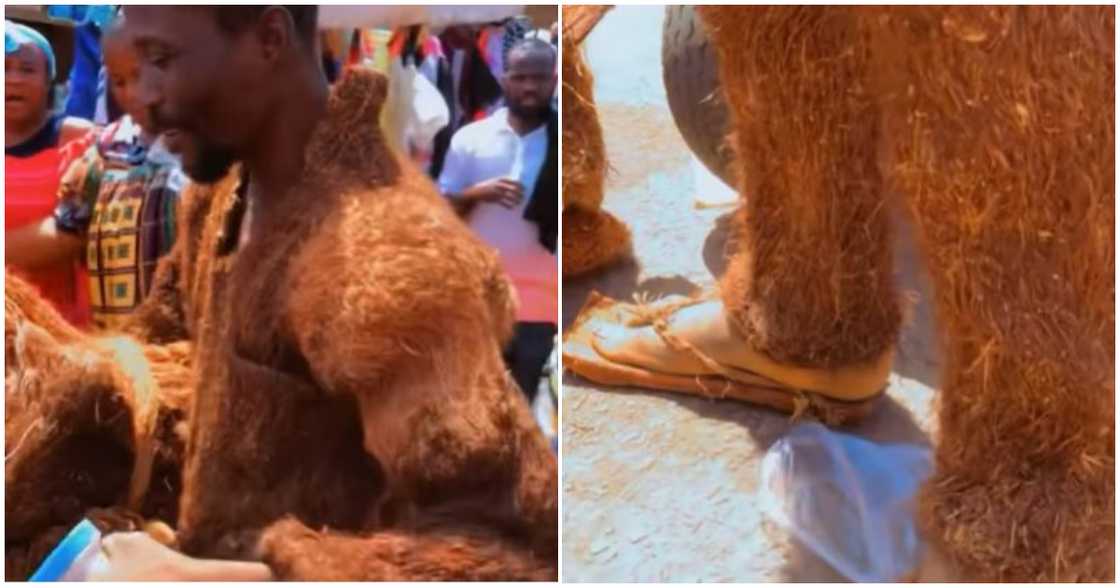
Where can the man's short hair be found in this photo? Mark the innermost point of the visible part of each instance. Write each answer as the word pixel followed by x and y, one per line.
pixel 234 19
pixel 532 45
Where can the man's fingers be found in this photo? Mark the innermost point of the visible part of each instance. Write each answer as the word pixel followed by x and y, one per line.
pixel 115 543
pixel 513 185
pixel 509 196
pixel 505 192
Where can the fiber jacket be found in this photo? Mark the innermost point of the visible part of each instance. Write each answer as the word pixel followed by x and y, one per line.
pixel 349 375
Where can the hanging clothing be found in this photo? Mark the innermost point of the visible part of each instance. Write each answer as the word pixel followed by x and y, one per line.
pixel 495 41
pixel 444 84
pixel 414 113
pixel 415 45
pixel 478 91
pixel 491 45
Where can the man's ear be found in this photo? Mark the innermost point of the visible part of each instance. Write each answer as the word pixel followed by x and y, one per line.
pixel 276 32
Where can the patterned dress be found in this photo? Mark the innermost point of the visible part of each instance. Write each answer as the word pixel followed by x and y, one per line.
pixel 121 195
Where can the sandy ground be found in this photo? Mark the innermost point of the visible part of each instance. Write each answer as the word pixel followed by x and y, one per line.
pixel 660 486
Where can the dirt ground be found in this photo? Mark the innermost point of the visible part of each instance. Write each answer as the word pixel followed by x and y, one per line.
pixel 664 487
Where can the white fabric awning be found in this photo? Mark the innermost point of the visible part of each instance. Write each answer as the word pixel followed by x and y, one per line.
pixel 349 16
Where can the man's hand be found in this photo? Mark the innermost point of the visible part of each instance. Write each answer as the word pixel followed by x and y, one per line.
pixel 138 557
pixel 503 191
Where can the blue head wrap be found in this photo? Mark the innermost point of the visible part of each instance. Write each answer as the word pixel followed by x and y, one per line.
pixel 17 35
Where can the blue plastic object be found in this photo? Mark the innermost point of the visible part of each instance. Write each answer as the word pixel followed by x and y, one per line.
pixel 67 552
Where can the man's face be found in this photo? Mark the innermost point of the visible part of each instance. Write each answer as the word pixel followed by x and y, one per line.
pixel 528 81
pixel 203 86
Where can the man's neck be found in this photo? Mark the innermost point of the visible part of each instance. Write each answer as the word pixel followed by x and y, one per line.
pixel 523 125
pixel 277 163
pixel 16 133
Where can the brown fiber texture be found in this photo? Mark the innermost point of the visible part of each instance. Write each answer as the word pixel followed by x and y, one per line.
pixel 349 371
pixel 996 126
pixel 580 20
pixel 91 422
pixel 811 283
pixel 585 153
pixel 592 238
pixel 1002 136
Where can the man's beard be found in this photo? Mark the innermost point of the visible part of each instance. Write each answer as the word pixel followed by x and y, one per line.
pixel 523 111
pixel 211 164
pixel 203 161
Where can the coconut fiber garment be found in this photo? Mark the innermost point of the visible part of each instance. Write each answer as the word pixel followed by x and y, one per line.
pixel 353 418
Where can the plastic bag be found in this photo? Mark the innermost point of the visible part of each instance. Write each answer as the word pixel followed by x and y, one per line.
pixel 847 499
pixel 414 113
pixel 430 115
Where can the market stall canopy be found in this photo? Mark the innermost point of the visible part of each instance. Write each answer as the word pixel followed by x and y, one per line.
pixel 346 16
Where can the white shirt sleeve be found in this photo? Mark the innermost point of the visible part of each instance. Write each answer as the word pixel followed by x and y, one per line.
pixel 456 165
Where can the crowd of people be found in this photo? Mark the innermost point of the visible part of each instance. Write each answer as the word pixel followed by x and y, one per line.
pixel 304 259
pixel 91 195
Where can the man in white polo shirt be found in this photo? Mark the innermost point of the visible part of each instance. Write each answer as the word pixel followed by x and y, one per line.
pixel 501 175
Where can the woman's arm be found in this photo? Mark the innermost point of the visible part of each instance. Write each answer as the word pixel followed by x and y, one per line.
pixel 43 243
pixel 39 245
pixel 74 128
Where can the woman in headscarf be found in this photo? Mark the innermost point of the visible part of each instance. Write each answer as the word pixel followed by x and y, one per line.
pixel 38 144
